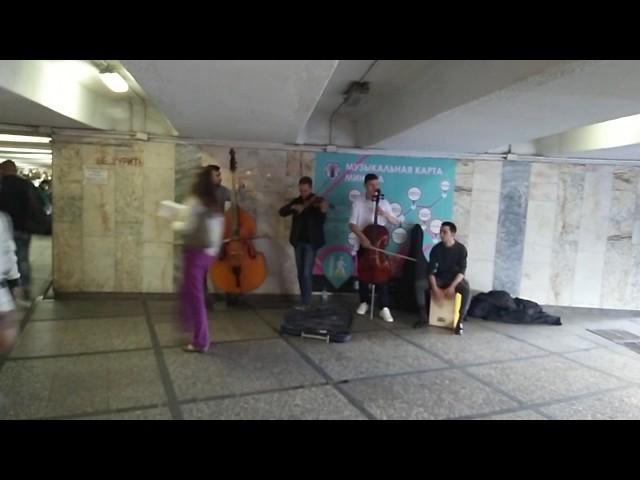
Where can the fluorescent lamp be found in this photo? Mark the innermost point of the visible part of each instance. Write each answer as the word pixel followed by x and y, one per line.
pixel 114 81
pixel 23 138
pixel 28 156
pixel 24 150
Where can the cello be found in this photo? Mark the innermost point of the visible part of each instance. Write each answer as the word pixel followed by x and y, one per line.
pixel 239 268
pixel 373 264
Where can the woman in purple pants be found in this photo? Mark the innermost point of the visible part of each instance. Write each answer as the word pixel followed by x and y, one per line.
pixel 202 240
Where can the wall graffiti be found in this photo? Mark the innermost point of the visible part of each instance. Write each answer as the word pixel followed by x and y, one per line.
pixel 120 161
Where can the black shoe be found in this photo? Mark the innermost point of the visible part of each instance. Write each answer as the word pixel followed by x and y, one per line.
pixel 460 329
pixel 209 301
pixel 420 324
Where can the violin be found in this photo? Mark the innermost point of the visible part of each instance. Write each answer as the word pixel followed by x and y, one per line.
pixel 313 201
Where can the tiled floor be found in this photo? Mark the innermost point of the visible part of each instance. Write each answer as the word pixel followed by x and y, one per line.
pixel 89 359
pixel 120 359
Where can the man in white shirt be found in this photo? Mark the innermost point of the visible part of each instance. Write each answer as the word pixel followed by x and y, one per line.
pixel 362 215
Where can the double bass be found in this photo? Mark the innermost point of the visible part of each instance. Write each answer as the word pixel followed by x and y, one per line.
pixel 239 268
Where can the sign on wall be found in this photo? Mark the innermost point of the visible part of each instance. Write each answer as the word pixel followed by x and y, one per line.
pixel 420 191
pixel 96 175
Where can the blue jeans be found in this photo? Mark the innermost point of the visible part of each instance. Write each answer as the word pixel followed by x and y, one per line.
pixel 382 290
pixel 305 257
pixel 23 241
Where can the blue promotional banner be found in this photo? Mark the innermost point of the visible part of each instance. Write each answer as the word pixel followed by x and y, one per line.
pixel 420 191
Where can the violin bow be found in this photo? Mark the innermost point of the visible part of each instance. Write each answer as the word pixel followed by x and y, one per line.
pixel 227 240
pixel 391 253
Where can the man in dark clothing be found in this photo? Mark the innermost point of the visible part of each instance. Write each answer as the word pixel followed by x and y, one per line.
pixel 223 196
pixel 307 234
pixel 447 266
pixel 19 199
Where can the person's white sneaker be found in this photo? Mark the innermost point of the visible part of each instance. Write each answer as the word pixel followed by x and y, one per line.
pixel 385 314
pixel 362 308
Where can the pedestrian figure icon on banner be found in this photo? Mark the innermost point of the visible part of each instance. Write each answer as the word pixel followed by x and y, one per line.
pixel 339 271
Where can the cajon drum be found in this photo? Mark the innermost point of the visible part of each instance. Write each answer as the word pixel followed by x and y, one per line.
pixel 445 313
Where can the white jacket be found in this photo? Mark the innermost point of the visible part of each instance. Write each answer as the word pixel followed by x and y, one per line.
pixel 213 227
pixel 8 262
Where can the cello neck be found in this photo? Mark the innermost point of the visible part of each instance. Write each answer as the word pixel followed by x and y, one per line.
pixel 376 199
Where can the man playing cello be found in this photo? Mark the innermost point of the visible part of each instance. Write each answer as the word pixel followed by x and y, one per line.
pixel 362 215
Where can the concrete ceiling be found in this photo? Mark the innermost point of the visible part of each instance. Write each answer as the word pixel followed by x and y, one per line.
pixel 628 152
pixel 18 110
pixel 257 100
pixel 544 107
pixel 70 94
pixel 346 72
pixel 532 100
pixel 421 105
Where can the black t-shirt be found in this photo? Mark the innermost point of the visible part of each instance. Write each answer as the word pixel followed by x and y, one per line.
pixel 447 262
pixel 306 218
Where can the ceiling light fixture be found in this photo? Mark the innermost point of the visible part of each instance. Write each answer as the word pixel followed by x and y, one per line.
pixel 23 138
pixel 28 156
pixel 113 80
pixel 24 150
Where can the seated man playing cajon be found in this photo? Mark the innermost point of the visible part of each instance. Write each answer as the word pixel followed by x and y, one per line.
pixel 447 266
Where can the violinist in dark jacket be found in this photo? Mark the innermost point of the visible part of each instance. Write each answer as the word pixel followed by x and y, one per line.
pixel 307 234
